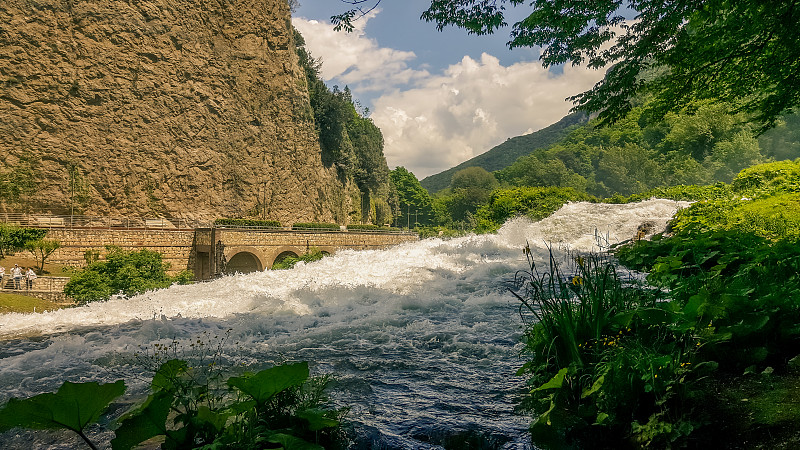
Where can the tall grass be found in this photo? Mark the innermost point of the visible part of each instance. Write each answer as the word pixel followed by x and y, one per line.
pixel 567 310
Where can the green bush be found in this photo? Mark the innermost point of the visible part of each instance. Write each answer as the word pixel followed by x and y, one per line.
pixel 316 226
pixel 768 179
pixel 741 288
pixel 314 254
pixel 122 271
pixel 533 202
pixel 247 223
pixel 608 361
pixel 14 238
pixel 682 192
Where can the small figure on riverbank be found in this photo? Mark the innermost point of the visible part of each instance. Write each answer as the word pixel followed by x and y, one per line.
pixel 2 277
pixel 30 275
pixel 16 274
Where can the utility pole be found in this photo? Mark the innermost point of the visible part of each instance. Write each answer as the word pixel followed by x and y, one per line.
pixel 72 196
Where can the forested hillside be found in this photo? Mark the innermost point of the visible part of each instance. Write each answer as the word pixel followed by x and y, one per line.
pixel 706 142
pixel 506 153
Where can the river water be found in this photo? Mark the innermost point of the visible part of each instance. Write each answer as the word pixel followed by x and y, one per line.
pixel 423 338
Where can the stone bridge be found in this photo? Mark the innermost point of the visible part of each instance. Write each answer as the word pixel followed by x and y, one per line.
pixel 250 250
pixel 210 252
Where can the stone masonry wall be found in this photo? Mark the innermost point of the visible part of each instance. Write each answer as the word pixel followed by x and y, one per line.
pixel 182 248
pixel 176 246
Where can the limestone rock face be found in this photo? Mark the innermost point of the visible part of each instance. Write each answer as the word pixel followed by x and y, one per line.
pixel 181 108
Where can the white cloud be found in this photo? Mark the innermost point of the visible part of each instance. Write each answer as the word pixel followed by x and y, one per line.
pixel 434 121
pixel 356 60
pixel 471 107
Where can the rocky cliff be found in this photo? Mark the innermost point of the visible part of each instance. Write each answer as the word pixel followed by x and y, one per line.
pixel 183 108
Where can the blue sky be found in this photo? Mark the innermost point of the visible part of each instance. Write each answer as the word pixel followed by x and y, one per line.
pixel 440 98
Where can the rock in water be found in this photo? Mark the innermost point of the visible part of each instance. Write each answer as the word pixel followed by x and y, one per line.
pixel 190 108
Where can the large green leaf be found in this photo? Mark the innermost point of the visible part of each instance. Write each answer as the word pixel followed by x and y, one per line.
pixel 290 442
pixel 146 421
pixel 74 406
pixel 263 385
pixel 317 420
pixel 555 383
pixel 165 377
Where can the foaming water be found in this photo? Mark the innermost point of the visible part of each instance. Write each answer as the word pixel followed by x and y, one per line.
pixel 423 337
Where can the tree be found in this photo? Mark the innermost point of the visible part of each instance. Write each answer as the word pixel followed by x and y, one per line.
pixel 413 199
pixel 14 238
pixel 746 52
pixel 42 249
pixel 469 189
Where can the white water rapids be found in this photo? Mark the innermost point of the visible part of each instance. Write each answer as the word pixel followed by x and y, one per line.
pixel 422 337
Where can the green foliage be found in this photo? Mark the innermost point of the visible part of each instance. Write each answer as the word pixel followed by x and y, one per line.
pixel 607 358
pixel 42 249
pixel 741 287
pixel 469 189
pixel 705 142
pixel 316 226
pixel 414 200
pixel 767 179
pixel 20 180
pixel 193 406
pixel 350 141
pixel 72 407
pixel 125 272
pixel 247 223
pixel 14 238
pixel 532 170
pixel 533 202
pixel 692 192
pixel 737 51
pixel 314 254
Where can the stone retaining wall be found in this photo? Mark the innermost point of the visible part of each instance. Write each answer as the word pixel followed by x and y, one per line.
pixel 186 249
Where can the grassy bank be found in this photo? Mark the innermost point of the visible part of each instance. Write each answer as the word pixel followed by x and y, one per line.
pixel 18 303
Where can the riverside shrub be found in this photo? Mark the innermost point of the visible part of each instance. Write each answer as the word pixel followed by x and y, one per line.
pixel 607 359
pixel 125 272
pixel 533 202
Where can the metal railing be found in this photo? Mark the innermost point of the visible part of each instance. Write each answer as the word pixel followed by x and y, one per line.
pixel 81 221
pixel 157 223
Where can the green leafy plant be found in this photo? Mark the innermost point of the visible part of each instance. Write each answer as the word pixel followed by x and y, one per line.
pixel 313 254
pixel 122 271
pixel 608 359
pixel 72 407
pixel 191 408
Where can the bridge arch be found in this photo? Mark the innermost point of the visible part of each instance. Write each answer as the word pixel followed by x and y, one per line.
pixel 282 252
pixel 243 260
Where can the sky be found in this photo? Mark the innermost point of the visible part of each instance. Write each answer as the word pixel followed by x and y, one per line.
pixel 439 98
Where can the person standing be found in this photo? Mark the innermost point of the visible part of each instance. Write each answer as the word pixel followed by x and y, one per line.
pixel 2 277
pixel 30 275
pixel 16 274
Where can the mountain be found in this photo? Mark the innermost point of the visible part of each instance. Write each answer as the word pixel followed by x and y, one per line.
pixel 506 153
pixel 182 108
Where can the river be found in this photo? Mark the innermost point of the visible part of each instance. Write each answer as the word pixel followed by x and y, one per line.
pixel 423 338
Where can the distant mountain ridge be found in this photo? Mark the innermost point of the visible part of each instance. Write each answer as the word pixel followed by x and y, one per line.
pixel 503 155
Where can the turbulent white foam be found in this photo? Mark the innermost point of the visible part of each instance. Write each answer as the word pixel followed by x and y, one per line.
pixel 401 270
pixel 424 331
